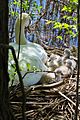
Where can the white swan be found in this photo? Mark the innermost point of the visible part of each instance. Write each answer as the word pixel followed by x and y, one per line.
pixel 31 53
pixel 31 47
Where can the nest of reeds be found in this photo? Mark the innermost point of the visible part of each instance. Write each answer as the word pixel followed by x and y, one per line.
pixel 56 101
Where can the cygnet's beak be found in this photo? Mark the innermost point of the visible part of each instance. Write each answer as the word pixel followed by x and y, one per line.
pixel 55 63
pixel 49 60
pixel 58 73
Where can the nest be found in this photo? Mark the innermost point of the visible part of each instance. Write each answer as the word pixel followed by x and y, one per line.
pixel 56 101
pixel 46 103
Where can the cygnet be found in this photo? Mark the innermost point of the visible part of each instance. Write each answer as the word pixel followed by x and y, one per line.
pixel 65 69
pixel 54 62
pixel 67 55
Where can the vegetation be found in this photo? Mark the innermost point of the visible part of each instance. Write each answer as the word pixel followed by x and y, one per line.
pixel 60 24
pixel 63 19
pixel 63 27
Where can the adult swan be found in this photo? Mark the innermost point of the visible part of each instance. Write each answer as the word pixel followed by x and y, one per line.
pixel 30 53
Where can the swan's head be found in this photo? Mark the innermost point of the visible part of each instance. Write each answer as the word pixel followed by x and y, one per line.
pixel 25 22
pixel 26 19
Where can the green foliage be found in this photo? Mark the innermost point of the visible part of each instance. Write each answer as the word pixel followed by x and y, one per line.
pixel 36 7
pixel 74 1
pixel 11 67
pixel 59 37
pixel 70 29
pixel 71 6
pixel 70 18
pixel 67 9
pixel 28 67
pixel 22 65
pixel 49 22
pixel 34 68
pixel 25 6
pixel 57 25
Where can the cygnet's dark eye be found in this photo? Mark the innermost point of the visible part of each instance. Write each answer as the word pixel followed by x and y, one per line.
pixel 49 60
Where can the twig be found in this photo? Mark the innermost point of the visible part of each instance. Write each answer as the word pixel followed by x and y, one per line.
pixel 66 97
pixel 57 84
pixel 71 108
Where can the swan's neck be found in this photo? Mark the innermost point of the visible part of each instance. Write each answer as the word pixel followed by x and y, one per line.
pixel 17 32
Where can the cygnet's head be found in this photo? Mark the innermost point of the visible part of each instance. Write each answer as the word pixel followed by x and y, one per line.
pixel 50 60
pixel 52 65
pixel 67 52
pixel 52 57
pixel 68 63
pixel 58 74
pixel 54 62
pixel 59 61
